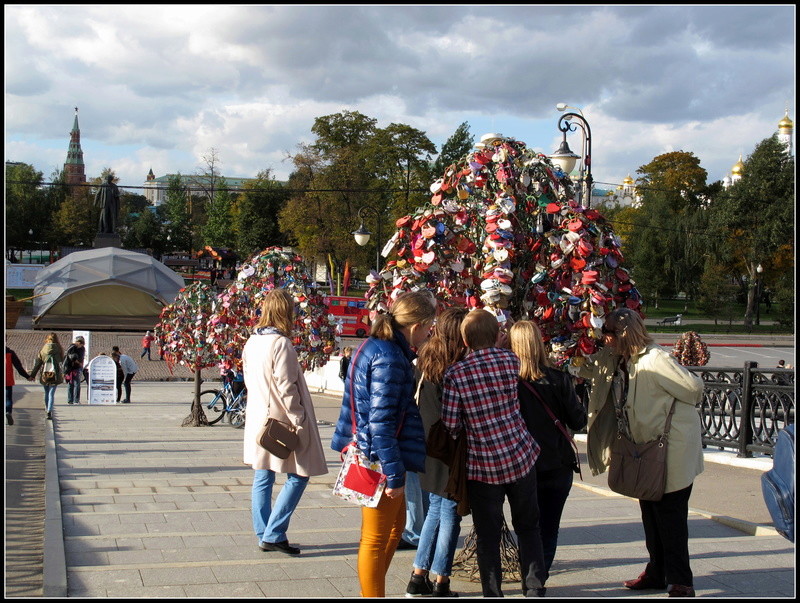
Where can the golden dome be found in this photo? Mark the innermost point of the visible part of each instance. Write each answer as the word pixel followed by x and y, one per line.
pixel 628 181
pixel 739 167
pixel 786 123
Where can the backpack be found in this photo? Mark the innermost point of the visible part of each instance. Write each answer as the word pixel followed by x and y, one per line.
pixel 777 484
pixel 49 373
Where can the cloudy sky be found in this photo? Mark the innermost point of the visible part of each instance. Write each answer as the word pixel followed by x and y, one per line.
pixel 158 86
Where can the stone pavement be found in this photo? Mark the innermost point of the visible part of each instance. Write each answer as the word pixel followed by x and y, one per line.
pixel 148 508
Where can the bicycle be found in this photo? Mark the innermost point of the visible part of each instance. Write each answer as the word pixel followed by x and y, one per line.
pixel 218 402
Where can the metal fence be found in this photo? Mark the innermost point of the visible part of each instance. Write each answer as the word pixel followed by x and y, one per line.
pixel 744 408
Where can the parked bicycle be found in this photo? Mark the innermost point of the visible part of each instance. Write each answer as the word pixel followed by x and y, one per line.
pixel 230 400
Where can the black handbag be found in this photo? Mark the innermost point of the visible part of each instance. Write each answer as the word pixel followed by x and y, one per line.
pixel 278 438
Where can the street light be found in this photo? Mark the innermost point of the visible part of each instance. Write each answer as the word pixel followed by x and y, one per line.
pixel 362 235
pixel 564 158
pixel 566 124
pixel 759 270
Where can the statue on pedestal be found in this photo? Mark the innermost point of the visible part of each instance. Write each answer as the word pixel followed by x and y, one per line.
pixel 107 199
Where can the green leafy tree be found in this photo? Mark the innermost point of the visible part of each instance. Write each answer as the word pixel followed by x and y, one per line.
pixel 255 215
pixel 218 229
pixel 25 204
pixel 754 221
pixel 666 243
pixel 178 219
pixel 457 146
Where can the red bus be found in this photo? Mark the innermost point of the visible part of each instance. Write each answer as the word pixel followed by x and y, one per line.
pixel 352 312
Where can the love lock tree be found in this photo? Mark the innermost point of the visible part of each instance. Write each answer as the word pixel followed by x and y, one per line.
pixel 503 231
pixel 238 310
pixel 182 333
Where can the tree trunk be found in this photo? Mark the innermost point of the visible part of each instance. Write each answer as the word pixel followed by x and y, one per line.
pixel 197 418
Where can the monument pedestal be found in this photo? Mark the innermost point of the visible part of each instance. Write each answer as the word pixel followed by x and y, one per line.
pixel 105 239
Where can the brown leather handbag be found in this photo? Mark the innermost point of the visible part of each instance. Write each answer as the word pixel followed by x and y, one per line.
pixel 640 470
pixel 278 438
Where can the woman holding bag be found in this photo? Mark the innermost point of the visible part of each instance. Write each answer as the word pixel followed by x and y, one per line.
pixel 634 385
pixel 387 424
pixel 276 388
pixel 48 365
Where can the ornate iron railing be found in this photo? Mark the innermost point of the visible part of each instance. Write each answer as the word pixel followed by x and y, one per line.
pixel 763 397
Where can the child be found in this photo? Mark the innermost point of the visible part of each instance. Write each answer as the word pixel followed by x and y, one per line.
pixel 480 396
pixel 344 364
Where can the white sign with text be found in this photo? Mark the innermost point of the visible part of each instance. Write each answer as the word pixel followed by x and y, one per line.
pixel 102 380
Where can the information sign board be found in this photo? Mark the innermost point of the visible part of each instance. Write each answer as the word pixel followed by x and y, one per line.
pixel 102 380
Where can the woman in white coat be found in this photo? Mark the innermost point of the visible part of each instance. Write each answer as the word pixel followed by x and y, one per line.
pixel 276 388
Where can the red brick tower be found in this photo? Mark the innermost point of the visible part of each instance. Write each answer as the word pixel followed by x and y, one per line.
pixel 74 169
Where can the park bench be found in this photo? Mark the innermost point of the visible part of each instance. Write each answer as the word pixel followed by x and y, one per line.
pixel 671 320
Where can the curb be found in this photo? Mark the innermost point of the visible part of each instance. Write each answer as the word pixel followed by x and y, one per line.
pixel 54 559
pixel 748 527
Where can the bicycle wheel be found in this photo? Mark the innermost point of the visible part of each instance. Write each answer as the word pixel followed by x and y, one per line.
pixel 236 413
pixel 213 404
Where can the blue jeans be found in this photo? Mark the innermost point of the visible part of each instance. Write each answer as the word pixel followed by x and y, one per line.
pixel 49 396
pixel 486 501
pixel 437 543
pixel 74 388
pixel 416 508
pixel 270 523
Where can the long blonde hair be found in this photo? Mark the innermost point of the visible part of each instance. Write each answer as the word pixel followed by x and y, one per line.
pixel 410 308
pixel 630 331
pixel 445 347
pixel 52 338
pixel 527 344
pixel 277 310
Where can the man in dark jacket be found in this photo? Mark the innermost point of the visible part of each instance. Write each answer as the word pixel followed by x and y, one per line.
pixel 73 369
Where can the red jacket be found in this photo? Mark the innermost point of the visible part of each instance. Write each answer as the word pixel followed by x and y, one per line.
pixel 12 362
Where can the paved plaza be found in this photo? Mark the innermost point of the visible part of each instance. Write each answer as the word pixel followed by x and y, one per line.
pixel 138 506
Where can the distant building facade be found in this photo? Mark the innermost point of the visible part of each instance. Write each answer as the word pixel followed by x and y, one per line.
pixel 155 188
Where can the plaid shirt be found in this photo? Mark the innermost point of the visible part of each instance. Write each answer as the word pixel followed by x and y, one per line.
pixel 480 394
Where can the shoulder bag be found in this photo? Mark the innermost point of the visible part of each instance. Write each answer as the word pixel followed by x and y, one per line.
pixel 49 374
pixel 360 480
pixel 577 464
pixel 279 438
pixel 640 470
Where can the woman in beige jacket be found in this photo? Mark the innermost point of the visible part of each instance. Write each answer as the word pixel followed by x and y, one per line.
pixel 634 382
pixel 276 388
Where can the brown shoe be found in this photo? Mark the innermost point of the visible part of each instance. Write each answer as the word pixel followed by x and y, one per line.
pixel 678 590
pixel 644 582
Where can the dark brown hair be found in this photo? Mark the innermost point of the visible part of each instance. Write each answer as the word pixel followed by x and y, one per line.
pixel 445 347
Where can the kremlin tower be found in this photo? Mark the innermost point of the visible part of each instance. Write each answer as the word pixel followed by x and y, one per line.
pixel 74 169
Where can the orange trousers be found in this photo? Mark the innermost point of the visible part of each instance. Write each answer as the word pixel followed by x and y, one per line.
pixel 381 529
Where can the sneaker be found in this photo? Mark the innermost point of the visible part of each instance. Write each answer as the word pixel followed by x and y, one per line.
pixel 405 545
pixel 442 589
pixel 419 586
pixel 68 402
pixel 9 419
pixel 50 416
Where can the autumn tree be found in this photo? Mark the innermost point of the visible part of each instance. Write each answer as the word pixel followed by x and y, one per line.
pixel 255 214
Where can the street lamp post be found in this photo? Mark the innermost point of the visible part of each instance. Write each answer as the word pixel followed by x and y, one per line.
pixel 362 235
pixel 759 270
pixel 569 122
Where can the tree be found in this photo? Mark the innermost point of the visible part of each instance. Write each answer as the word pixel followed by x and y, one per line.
pixel 178 219
pixel 218 229
pixel 255 214
pixel 459 144
pixel 667 240
pixel 183 332
pixel 754 220
pixel 25 204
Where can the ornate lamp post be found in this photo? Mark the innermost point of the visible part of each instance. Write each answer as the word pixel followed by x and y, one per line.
pixel 362 235
pixel 569 122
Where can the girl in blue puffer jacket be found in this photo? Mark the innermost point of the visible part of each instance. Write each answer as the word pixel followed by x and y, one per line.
pixel 388 426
